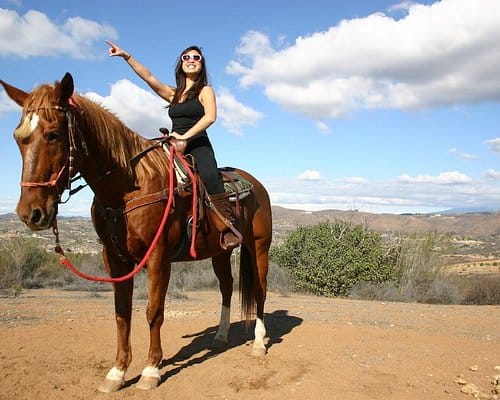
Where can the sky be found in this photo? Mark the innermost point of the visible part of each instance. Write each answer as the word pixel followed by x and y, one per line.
pixel 369 105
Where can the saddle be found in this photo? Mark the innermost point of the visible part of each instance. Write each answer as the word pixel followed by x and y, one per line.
pixel 235 186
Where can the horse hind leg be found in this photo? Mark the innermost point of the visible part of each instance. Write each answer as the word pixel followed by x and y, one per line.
pixel 253 286
pixel 222 268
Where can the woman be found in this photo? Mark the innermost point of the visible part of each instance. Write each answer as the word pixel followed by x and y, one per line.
pixel 192 110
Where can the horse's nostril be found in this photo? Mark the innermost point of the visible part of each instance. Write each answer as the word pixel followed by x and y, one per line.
pixel 36 216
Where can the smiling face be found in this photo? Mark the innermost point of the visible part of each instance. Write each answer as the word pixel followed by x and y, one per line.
pixel 191 62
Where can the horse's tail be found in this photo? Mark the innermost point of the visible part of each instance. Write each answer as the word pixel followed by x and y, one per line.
pixel 247 292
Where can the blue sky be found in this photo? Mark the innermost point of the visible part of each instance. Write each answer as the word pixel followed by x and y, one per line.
pixel 371 105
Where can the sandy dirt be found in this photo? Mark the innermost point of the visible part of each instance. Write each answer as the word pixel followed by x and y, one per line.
pixel 60 345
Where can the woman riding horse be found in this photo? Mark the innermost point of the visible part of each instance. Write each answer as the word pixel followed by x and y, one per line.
pixel 192 110
pixel 61 134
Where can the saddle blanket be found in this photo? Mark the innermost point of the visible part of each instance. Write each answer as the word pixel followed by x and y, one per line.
pixel 234 184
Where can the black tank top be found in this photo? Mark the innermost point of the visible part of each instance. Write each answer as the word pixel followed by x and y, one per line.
pixel 184 116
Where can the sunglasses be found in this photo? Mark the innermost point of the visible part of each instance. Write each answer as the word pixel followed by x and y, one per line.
pixel 194 57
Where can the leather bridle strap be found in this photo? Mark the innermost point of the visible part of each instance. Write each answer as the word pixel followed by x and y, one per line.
pixel 69 113
pixel 51 183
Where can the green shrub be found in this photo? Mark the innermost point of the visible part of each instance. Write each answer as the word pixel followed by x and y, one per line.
pixel 330 258
pixel 25 263
pixel 419 269
pixel 22 262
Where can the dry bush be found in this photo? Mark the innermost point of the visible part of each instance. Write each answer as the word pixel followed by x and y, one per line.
pixel 480 289
pixel 23 263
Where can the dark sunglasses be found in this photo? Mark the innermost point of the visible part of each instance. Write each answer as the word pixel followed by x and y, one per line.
pixel 194 57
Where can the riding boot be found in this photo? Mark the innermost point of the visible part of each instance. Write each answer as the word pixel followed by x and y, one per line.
pixel 225 221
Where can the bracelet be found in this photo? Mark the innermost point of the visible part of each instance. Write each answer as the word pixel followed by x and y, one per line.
pixel 127 57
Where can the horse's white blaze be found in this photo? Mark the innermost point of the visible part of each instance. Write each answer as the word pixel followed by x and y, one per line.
pixel 224 324
pixel 151 372
pixel 260 333
pixel 30 157
pixel 29 163
pixel 115 374
pixel 34 122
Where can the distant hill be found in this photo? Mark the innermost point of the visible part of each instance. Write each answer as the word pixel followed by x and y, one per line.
pixel 474 224
pixel 468 210
pixel 78 233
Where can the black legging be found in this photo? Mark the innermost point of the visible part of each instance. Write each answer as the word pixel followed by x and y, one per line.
pixel 207 167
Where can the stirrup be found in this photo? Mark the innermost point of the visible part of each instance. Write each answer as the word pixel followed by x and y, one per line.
pixel 229 240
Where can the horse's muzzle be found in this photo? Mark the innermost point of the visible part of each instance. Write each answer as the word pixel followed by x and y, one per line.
pixel 36 218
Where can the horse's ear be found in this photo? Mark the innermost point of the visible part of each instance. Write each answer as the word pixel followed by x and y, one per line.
pixel 65 88
pixel 14 93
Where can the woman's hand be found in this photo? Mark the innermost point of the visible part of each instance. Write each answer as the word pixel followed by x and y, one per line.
pixel 115 51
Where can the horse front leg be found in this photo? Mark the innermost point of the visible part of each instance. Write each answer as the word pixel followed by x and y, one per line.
pixel 222 268
pixel 115 379
pixel 159 275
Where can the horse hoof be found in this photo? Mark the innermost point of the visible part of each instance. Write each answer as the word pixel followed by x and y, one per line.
pixel 218 345
pixel 147 383
pixel 258 352
pixel 110 386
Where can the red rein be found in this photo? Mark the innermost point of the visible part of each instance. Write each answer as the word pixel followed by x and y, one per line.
pixel 67 263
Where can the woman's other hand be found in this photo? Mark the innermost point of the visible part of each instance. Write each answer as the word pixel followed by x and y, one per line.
pixel 115 51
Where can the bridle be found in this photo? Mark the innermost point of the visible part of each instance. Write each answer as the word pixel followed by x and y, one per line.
pixel 69 113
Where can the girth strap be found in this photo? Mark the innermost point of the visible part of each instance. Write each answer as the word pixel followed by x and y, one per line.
pixel 112 216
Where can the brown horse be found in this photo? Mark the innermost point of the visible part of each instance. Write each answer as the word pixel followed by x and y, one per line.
pixel 62 133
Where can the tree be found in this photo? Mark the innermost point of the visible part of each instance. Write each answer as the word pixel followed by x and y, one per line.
pixel 329 258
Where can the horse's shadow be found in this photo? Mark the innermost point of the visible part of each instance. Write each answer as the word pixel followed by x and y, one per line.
pixel 278 324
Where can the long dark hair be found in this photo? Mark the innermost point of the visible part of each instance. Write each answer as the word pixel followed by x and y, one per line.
pixel 180 78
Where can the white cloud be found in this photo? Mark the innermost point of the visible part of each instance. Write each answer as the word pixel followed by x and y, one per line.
pixel 139 109
pixel 495 145
pixel 233 114
pixel 404 5
pixel 309 175
pixel 355 180
pixel 390 196
pixel 145 112
pixel 444 178
pixel 7 205
pixel 462 155
pixel 439 54
pixel 7 104
pixel 322 127
pixel 34 34
pixel 493 174
pixel 468 156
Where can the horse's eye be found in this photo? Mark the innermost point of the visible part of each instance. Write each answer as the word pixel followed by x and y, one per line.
pixel 53 136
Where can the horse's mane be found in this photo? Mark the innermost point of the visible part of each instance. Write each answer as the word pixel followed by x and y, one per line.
pixel 117 143
pixel 120 142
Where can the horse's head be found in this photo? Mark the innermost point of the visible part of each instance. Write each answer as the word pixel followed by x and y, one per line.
pixel 43 139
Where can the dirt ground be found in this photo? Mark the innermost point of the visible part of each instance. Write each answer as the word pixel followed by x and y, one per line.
pixel 60 345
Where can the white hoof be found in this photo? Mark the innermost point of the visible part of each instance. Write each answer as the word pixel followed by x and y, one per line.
pixel 115 380
pixel 150 379
pixel 259 352
pixel 109 386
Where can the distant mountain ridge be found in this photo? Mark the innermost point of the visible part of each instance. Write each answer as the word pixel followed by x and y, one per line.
pixel 480 224
pixel 463 221
pixel 468 210
pixel 472 224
